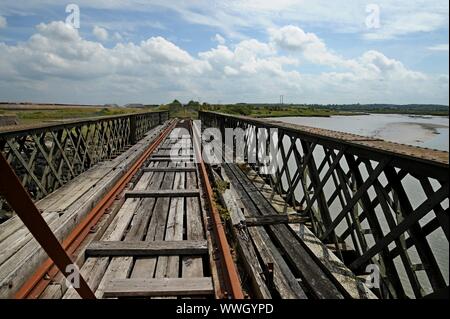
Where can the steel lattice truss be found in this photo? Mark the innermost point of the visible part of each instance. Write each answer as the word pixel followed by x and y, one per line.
pixel 389 202
pixel 45 158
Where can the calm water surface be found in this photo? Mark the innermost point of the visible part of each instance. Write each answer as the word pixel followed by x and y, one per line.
pixel 425 131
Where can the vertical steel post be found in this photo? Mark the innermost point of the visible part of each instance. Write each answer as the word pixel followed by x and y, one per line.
pixel 133 137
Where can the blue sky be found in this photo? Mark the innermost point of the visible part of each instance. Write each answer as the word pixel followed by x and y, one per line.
pixel 229 51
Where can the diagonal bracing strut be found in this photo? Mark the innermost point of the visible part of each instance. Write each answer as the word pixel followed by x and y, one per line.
pixel 19 200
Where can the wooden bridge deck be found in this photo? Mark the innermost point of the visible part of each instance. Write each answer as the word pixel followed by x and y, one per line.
pixel 165 218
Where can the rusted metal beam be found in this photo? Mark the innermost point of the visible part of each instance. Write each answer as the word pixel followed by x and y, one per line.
pixel 428 205
pixel 16 196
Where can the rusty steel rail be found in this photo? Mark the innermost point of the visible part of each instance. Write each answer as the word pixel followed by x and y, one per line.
pixel 37 283
pixel 232 283
pixel 21 202
pixel 46 157
pixel 388 202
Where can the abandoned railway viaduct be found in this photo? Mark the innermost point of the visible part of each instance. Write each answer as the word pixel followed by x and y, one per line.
pixel 129 205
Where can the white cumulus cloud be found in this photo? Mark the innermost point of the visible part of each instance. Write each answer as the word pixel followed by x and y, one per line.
pixel 219 39
pixel 57 64
pixel 100 33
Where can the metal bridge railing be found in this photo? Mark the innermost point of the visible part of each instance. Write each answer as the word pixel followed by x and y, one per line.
pixel 388 202
pixel 45 158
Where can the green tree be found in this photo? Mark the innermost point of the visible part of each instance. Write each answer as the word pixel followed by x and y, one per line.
pixel 175 104
pixel 194 105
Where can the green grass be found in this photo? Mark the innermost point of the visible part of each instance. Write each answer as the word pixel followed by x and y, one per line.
pixel 36 116
pixel 249 110
pixel 191 114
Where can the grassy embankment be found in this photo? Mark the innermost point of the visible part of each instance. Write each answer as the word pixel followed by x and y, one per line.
pixel 282 111
pixel 46 115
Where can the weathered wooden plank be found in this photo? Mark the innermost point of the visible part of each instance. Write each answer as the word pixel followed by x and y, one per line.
pixel 193 266
pixel 169 266
pixel 10 246
pixel 284 281
pixel 247 253
pixel 120 267
pixel 354 287
pixel 158 287
pixel 17 269
pixel 67 196
pixel 171 159
pixel 145 267
pixel 57 201
pixel 101 270
pixel 163 193
pixel 59 280
pixel 170 156
pixel 312 274
pixel 170 169
pixel 142 248
pixel 275 219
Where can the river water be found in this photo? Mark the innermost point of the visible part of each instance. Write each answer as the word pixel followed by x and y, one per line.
pixel 424 131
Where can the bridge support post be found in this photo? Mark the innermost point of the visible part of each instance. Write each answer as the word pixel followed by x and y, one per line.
pixel 133 137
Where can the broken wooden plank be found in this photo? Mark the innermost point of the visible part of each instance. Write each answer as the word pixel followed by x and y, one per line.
pixel 347 280
pixel 158 287
pixel 247 253
pixel 257 242
pixel 143 248
pixel 163 193
pixel 314 277
pixel 275 219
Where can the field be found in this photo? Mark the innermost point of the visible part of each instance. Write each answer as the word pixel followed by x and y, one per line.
pixel 275 111
pixel 35 115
